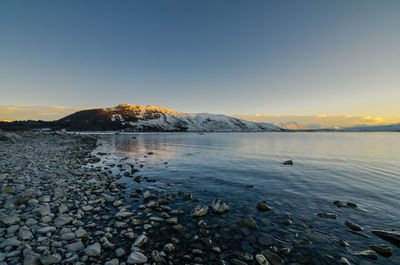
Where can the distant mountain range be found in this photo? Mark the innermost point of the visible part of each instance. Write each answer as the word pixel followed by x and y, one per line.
pixel 136 118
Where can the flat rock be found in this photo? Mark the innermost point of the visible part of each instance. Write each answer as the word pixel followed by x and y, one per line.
pixel 12 241
pixel 9 219
pixel 51 259
pixel 63 219
pixel 93 250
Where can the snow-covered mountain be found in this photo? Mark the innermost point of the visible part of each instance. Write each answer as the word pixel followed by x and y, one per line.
pixel 152 118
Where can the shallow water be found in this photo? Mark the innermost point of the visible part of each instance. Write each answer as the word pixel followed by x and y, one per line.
pixel 358 167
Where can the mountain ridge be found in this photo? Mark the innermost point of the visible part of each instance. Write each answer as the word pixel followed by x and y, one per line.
pixel 140 118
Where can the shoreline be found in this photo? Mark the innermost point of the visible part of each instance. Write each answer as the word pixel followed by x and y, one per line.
pixel 60 207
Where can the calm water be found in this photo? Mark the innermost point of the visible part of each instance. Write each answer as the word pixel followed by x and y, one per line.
pixel 358 167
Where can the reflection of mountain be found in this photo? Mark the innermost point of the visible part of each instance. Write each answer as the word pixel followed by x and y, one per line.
pixel 145 118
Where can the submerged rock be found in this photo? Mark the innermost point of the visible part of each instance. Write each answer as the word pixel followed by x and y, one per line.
pixel 327 215
pixel 390 236
pixel 367 254
pixel 219 207
pixel 383 250
pixel 272 257
pixel 353 226
pixel 249 222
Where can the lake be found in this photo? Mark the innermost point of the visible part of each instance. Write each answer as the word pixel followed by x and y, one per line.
pixel 243 169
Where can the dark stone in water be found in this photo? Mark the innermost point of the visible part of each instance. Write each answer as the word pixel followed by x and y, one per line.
pixel 390 236
pixel 383 250
pixel 288 162
pixel 245 246
pixel 263 206
pixel 339 204
pixel 353 226
pixel 249 222
pixel 327 215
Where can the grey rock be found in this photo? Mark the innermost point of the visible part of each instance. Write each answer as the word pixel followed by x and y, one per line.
pixel 9 219
pixel 75 247
pixel 140 241
pixel 51 259
pixel 62 219
pixel 199 211
pixel 93 250
pixel 12 241
pixel 261 259
pixel 112 262
pixel 136 258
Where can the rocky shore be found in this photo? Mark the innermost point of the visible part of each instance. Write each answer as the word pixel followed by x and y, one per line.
pixel 60 207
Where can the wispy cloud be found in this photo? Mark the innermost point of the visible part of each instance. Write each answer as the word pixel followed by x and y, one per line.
pixel 24 112
pixel 318 121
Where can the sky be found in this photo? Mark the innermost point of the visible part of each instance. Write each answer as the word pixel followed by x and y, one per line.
pixel 266 58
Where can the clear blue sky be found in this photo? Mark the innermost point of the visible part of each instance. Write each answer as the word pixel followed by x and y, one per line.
pixel 231 57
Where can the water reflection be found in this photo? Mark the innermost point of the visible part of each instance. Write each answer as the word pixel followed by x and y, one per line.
pixel 357 167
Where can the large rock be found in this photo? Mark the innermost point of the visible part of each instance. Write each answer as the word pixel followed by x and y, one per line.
pixel 140 241
pixel 9 219
pixel 10 242
pixel 136 258
pixel 63 219
pixel 51 259
pixel 390 236
pixel 199 211
pixel 219 207
pixel 93 250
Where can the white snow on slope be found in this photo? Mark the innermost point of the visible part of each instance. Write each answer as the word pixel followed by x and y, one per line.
pixel 162 119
